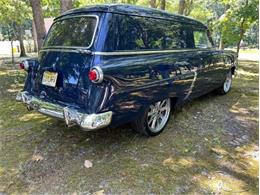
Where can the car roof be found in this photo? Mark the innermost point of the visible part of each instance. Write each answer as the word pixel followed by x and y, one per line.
pixel 134 10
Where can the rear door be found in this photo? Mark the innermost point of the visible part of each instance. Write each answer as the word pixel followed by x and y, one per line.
pixel 64 60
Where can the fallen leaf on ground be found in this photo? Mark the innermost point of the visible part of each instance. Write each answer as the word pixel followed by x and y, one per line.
pixel 100 192
pixel 37 157
pixel 88 164
pixel 219 151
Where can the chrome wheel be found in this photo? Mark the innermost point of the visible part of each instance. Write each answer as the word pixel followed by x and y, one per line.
pixel 227 83
pixel 158 115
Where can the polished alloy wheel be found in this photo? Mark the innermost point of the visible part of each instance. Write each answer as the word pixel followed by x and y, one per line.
pixel 158 115
pixel 227 83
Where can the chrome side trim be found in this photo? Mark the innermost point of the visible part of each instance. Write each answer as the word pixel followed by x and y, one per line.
pixel 115 53
pixel 77 16
pixel 192 85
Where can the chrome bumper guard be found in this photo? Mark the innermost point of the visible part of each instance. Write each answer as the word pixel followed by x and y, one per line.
pixel 71 115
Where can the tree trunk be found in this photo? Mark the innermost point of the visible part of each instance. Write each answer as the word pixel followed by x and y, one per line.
pixel 163 3
pixel 39 21
pixel 242 31
pixel 152 3
pixel 188 5
pixel 65 5
pixel 12 51
pixel 20 38
pixel 34 35
pixel 181 7
pixel 241 35
pixel 11 40
pixel 221 43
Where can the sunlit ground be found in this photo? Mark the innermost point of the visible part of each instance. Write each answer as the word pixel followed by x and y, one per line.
pixel 209 146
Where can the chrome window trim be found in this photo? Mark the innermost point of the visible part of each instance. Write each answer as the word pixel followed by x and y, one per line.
pixel 75 47
pixel 59 50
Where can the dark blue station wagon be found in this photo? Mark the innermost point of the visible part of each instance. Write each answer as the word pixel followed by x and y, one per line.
pixel 112 64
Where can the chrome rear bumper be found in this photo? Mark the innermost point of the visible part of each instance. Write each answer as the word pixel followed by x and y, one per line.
pixel 71 115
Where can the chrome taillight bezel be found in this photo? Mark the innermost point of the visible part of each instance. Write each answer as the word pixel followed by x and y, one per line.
pixel 100 74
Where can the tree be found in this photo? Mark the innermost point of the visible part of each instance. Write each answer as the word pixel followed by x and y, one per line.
pixel 19 35
pixel 11 20
pixel 247 15
pixel 236 19
pixel 152 3
pixel 65 5
pixel 34 36
pixel 181 7
pixel 38 21
pixel 51 8
pixel 185 7
pixel 163 4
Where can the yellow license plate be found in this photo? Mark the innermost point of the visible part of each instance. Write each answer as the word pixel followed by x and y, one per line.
pixel 49 78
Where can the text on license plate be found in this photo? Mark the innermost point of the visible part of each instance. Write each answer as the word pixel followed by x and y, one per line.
pixel 49 78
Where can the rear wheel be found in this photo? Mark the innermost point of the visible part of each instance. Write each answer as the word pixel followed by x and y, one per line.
pixel 226 86
pixel 154 118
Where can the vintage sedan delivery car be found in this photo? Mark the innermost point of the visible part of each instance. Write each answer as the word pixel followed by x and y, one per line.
pixel 112 64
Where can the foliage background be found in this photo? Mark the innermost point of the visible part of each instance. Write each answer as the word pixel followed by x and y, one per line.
pixel 233 23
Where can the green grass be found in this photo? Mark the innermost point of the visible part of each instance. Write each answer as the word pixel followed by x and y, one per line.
pixel 193 155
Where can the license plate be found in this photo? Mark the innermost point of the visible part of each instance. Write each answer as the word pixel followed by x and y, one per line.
pixel 49 78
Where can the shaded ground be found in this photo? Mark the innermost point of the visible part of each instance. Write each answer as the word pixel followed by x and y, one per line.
pixel 209 146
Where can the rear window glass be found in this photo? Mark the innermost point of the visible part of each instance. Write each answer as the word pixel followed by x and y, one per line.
pixel 70 32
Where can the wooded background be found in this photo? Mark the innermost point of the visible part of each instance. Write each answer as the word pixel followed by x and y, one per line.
pixel 233 23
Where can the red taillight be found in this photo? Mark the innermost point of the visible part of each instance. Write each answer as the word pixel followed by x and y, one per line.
pixel 24 65
pixel 96 74
pixel 21 65
pixel 93 75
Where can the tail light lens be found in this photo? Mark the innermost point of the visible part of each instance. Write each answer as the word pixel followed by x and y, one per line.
pixel 24 65
pixel 93 75
pixel 96 74
pixel 21 65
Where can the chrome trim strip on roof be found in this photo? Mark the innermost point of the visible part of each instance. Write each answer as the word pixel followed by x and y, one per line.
pixel 77 16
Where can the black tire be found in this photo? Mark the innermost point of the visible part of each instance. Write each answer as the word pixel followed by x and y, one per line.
pixel 141 124
pixel 226 86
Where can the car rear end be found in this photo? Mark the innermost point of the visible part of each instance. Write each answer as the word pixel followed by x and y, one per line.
pixel 58 84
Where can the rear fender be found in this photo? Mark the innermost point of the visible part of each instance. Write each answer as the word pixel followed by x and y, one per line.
pixel 31 74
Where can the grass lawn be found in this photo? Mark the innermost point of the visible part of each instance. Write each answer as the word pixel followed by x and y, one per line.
pixel 249 51
pixel 208 146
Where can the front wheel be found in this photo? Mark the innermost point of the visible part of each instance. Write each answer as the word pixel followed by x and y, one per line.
pixel 226 86
pixel 154 118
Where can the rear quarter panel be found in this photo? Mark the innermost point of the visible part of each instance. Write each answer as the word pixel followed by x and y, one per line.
pixel 133 82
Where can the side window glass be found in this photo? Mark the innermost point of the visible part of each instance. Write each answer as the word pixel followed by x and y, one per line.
pixel 175 36
pixel 201 39
pixel 129 35
pixel 141 33
pixel 161 34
